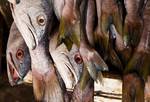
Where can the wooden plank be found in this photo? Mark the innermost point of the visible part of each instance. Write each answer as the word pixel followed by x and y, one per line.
pixel 110 91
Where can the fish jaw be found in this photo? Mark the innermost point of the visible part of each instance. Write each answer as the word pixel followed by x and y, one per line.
pixel 13 75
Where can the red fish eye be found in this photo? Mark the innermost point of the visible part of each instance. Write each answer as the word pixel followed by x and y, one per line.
pixel 41 20
pixel 78 58
pixel 20 54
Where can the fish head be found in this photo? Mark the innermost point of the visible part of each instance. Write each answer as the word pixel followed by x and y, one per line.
pixel 76 61
pixel 33 19
pixel 18 57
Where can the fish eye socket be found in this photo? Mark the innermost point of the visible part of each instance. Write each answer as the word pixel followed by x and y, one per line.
pixel 20 54
pixel 17 1
pixel 78 58
pixel 41 20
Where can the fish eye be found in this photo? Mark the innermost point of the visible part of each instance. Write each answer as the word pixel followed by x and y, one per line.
pixel 20 54
pixel 17 1
pixel 41 20
pixel 78 58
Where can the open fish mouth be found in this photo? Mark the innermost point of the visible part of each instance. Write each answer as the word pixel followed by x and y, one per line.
pixel 13 75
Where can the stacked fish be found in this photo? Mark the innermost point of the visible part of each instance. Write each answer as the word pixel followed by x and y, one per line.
pixel 68 43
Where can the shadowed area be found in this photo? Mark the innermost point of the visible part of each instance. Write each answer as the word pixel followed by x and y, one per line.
pixel 20 93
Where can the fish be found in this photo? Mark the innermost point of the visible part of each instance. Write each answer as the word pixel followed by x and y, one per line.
pixel 71 59
pixel 68 36
pixel 34 23
pixel 65 62
pixel 139 61
pixel 108 13
pixel 70 62
pixel 93 63
pixel 34 20
pixel 18 57
pixel 91 58
pixel 84 89
pixel 82 44
pixel 73 56
pixel 90 23
pixel 69 24
pixel 133 22
pixel 108 33
pixel 140 58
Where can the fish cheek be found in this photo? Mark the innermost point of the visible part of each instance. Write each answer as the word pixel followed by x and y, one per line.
pixel 38 21
pixel 25 63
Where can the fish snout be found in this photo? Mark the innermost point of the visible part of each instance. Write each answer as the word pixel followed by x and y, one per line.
pixel 12 72
pixel 13 76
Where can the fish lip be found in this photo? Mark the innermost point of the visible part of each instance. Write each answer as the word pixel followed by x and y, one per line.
pixel 13 81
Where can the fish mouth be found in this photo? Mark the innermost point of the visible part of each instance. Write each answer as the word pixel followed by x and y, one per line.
pixel 13 75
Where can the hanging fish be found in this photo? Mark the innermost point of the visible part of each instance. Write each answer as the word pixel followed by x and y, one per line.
pixel 69 24
pixel 108 13
pixel 84 89
pixel 133 22
pixel 83 42
pixel 108 33
pixel 140 59
pixel 90 56
pixel 32 24
pixel 18 58
pixel 68 64
pixel 34 20
pixel 65 61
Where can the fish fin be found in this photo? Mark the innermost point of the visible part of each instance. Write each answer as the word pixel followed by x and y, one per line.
pixel 100 78
pixel 92 70
pixel 98 61
pixel 69 34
